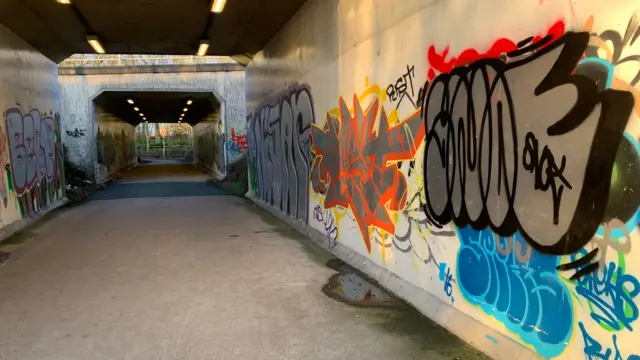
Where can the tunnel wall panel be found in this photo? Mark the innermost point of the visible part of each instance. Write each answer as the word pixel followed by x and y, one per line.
pixel 115 148
pixel 478 158
pixel 209 143
pixel 31 152
pixel 78 90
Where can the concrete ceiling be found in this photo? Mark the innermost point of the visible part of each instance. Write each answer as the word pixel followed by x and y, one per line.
pixel 172 27
pixel 158 106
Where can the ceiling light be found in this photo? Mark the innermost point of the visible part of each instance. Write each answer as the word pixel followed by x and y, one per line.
pixel 66 2
pixel 144 118
pixel 189 102
pixel 130 101
pixel 95 44
pixel 141 114
pixel 185 109
pixel 136 109
pixel 217 6
pixel 181 115
pixel 204 46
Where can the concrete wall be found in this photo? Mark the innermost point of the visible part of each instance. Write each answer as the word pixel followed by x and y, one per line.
pixel 78 90
pixel 115 147
pixel 478 158
pixel 209 144
pixel 31 159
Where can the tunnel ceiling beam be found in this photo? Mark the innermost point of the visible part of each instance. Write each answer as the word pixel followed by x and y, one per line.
pixel 147 27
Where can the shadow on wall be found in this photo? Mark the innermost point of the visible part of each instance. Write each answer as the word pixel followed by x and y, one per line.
pixel 31 160
pixel 513 178
pixel 210 150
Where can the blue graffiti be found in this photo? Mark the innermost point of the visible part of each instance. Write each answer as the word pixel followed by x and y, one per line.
pixel 611 294
pixel 529 299
pixel 446 277
pixel 594 350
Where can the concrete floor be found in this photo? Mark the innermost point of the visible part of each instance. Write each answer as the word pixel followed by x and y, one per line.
pixel 204 276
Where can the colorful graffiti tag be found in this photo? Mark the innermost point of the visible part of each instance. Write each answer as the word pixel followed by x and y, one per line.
pixel 35 153
pixel 350 152
pixel 513 172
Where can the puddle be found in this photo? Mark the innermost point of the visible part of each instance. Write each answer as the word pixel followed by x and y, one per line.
pixel 349 287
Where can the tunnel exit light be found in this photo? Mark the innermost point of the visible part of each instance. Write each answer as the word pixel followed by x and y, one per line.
pixel 217 6
pixel 95 43
pixel 204 46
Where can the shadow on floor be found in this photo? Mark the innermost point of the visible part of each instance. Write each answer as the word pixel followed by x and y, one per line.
pixel 158 190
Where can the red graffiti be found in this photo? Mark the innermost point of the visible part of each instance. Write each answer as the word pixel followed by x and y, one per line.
pixel 354 166
pixel 438 62
pixel 239 141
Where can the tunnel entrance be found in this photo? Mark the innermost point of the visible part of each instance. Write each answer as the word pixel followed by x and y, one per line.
pixel 130 126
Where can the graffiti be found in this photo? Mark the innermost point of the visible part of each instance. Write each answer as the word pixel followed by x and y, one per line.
pixel 611 297
pixel 412 228
pixel 595 351
pixel 32 143
pixel 279 132
pixel 506 249
pixel 438 61
pixel 330 227
pixel 527 298
pixel 128 147
pixel 610 45
pixel 602 245
pixel 447 279
pixel 237 144
pixel 106 147
pixel 115 150
pixel 4 161
pixel 610 293
pixel 352 165
pixel 36 158
pixel 403 88
pixel 76 133
pixel 484 170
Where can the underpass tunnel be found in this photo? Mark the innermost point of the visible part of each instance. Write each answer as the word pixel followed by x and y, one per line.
pixel 144 126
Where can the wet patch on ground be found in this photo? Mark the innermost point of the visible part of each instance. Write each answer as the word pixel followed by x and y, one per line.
pixel 379 308
pixel 350 287
pixel 4 256
pixel 395 316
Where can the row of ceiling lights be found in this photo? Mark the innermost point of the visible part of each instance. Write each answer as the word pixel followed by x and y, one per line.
pixel 216 7
pixel 189 102
pixel 137 109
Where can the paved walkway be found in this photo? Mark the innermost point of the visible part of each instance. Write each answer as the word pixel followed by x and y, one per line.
pixel 177 269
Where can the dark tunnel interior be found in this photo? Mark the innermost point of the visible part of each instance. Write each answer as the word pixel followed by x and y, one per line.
pixel 135 107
